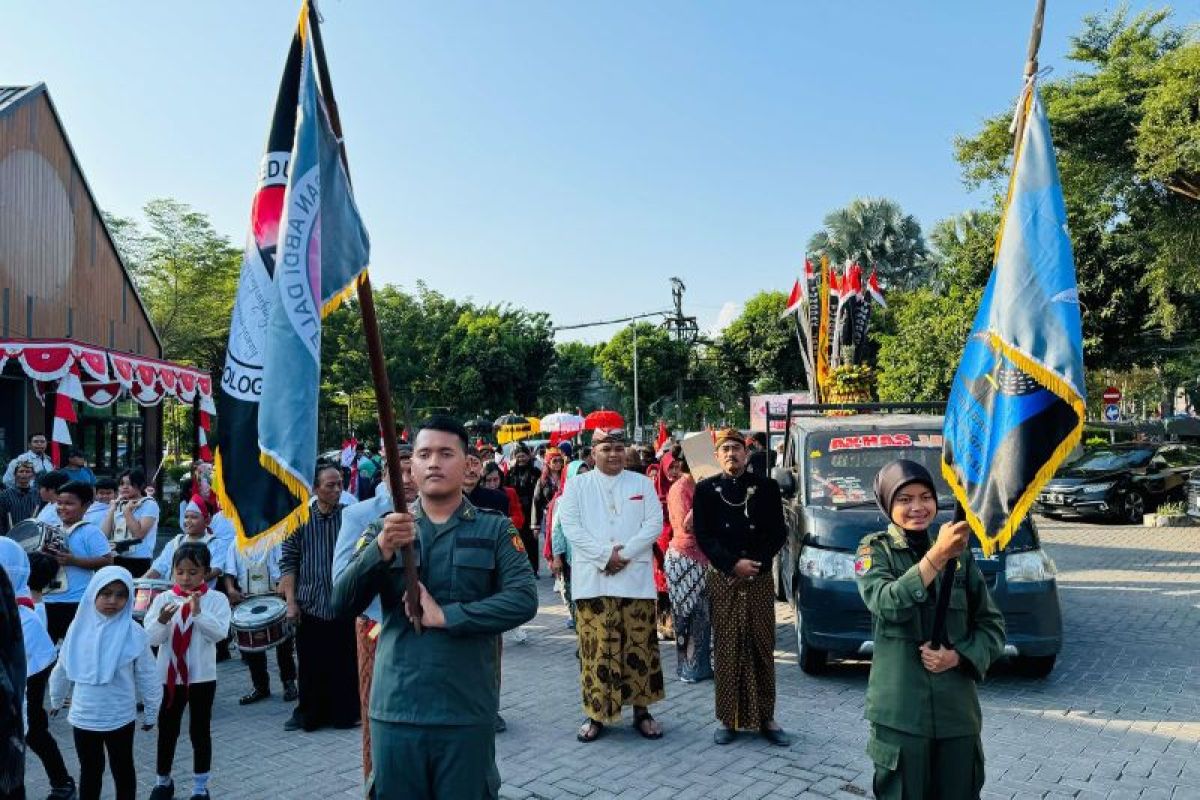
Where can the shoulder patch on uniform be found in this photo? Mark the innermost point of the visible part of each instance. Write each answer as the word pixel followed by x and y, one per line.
pixel 518 545
pixel 862 564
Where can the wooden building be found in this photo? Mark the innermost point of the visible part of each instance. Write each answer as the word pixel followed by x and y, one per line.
pixel 61 278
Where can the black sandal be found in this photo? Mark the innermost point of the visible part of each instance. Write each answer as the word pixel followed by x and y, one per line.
pixel 594 730
pixel 644 716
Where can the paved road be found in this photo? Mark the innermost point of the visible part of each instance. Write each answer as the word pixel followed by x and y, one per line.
pixel 1118 718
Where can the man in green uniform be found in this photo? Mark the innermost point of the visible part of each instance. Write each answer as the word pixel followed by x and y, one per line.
pixel 921 699
pixel 434 695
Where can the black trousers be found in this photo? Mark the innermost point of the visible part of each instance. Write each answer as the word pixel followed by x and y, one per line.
pixel 90 745
pixel 328 654
pixel 38 738
pixel 200 697
pixel 257 662
pixel 59 617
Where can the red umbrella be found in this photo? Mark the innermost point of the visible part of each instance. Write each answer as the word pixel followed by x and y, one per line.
pixel 603 419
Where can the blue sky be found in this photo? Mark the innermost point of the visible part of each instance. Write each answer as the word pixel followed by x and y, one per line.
pixel 564 156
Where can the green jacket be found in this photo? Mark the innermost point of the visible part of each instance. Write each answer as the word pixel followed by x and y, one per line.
pixel 901 693
pixel 477 571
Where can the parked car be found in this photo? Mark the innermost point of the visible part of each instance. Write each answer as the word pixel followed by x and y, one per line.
pixel 1193 494
pixel 1120 482
pixel 826 479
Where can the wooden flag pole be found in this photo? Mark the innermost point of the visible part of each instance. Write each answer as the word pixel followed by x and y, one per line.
pixel 379 376
pixel 947 583
pixel 1031 65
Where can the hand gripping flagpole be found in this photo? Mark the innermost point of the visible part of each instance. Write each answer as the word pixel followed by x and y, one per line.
pixel 938 640
pixel 379 376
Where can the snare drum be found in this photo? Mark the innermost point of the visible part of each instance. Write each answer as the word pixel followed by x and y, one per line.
pixel 260 623
pixel 144 592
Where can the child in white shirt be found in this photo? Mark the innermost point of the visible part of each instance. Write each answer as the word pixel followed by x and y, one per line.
pixel 106 665
pixel 185 624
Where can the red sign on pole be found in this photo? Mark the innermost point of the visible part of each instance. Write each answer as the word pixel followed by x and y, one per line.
pixel 1112 396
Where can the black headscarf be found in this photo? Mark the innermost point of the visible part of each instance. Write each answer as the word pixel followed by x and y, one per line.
pixel 12 690
pixel 890 480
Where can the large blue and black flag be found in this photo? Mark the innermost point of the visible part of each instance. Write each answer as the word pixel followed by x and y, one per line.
pixel 306 252
pixel 1016 408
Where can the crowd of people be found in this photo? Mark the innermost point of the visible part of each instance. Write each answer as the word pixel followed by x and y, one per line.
pixel 640 552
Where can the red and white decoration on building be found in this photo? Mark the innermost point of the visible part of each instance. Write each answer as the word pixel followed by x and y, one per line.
pixel 98 377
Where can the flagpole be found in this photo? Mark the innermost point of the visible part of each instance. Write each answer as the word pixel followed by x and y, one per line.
pixel 1031 64
pixel 1031 67
pixel 379 376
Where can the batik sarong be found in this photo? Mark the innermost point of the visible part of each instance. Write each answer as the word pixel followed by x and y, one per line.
pixel 366 666
pixel 618 653
pixel 688 589
pixel 743 624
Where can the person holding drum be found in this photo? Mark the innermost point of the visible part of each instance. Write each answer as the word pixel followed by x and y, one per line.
pixel 80 551
pixel 259 580
pixel 132 523
pixel 195 531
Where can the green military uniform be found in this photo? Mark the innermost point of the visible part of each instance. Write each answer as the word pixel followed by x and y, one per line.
pixel 434 696
pixel 924 727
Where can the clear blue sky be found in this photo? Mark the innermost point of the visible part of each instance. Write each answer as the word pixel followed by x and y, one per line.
pixel 564 156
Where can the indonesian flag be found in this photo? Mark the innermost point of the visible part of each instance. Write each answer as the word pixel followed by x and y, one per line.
pixel 663 433
pixel 69 389
pixel 795 300
pixel 874 290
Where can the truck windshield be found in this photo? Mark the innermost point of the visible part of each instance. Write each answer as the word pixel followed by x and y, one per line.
pixel 841 468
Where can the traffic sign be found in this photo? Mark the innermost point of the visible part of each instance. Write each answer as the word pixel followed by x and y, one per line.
pixel 1112 413
pixel 1112 396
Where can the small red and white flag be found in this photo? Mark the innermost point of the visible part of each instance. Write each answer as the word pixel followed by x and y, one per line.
pixel 873 288
pixel 795 300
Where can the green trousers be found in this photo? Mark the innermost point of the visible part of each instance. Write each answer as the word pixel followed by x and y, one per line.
pixel 433 762
pixel 909 767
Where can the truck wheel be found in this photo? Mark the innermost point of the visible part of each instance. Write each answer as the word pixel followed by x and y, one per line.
pixel 1035 666
pixel 812 660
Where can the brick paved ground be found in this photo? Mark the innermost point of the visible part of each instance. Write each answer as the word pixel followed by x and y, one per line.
pixel 1118 718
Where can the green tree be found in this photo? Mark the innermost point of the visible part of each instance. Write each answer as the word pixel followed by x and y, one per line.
pixel 662 364
pixel 920 344
pixel 962 248
pixel 1125 130
pixel 876 233
pixel 761 349
pixel 574 380
pixel 186 274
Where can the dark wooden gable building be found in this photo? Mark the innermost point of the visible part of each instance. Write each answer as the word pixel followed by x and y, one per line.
pixel 61 277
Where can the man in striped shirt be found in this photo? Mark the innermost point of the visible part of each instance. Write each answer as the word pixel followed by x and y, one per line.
pixel 20 501
pixel 325 644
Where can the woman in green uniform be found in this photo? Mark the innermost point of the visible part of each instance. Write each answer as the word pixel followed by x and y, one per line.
pixel 921 700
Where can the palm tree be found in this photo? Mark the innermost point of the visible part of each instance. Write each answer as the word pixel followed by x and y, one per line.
pixel 876 233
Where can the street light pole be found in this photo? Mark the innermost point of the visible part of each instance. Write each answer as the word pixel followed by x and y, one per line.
pixel 637 419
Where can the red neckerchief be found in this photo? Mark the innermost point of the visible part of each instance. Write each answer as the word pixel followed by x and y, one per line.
pixel 181 640
pixel 27 602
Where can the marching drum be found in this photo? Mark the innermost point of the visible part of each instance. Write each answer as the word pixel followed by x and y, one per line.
pixel 260 623
pixel 35 537
pixel 144 592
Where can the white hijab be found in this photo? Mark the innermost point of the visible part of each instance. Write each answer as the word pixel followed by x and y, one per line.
pixel 39 650
pixel 95 645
